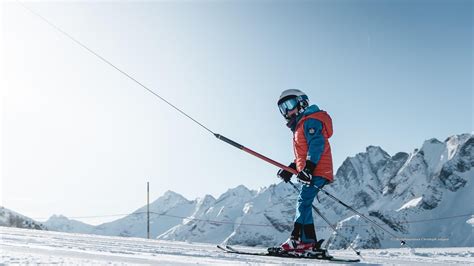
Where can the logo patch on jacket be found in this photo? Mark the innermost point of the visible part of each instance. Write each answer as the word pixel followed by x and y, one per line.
pixel 312 131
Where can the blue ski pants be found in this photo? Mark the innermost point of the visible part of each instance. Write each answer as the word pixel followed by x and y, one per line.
pixel 304 205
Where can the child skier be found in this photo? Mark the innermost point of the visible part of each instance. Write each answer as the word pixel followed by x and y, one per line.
pixel 311 129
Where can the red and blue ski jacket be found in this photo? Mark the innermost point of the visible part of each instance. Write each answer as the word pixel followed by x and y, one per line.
pixel 311 141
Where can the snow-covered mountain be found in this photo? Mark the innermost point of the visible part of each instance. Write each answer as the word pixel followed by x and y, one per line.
pixel 63 224
pixel 425 197
pixel 10 218
pixel 241 216
pixel 267 218
pixel 213 220
pixel 166 212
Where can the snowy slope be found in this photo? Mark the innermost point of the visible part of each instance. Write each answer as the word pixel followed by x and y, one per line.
pixel 22 246
pixel 12 219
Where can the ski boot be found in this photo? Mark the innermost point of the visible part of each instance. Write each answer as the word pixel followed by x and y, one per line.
pixel 296 248
pixel 319 252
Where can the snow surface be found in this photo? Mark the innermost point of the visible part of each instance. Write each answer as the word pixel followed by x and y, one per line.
pixel 412 203
pixel 471 221
pixel 25 246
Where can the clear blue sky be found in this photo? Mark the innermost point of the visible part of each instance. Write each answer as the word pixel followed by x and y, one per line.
pixel 80 139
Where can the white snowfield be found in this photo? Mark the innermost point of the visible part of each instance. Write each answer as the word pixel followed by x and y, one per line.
pixel 26 246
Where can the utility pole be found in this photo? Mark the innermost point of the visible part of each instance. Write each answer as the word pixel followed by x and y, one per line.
pixel 148 209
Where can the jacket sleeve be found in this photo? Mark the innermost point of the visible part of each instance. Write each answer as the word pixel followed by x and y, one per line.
pixel 315 139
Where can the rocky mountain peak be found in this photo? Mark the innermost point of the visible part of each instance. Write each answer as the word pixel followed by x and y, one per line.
pixel 239 192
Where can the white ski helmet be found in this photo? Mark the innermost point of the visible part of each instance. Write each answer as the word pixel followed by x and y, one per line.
pixel 291 99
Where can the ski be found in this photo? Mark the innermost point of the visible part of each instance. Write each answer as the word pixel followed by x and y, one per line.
pixel 229 249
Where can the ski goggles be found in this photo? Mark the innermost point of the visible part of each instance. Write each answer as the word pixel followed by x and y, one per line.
pixel 288 105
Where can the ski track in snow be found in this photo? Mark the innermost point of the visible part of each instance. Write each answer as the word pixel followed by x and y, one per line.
pixel 23 246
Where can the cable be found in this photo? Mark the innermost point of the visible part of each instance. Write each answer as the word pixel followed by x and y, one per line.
pixel 438 219
pixel 230 222
pixel 112 65
pixel 402 242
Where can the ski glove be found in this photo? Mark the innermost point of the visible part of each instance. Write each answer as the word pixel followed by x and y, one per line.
pixel 285 175
pixel 306 175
